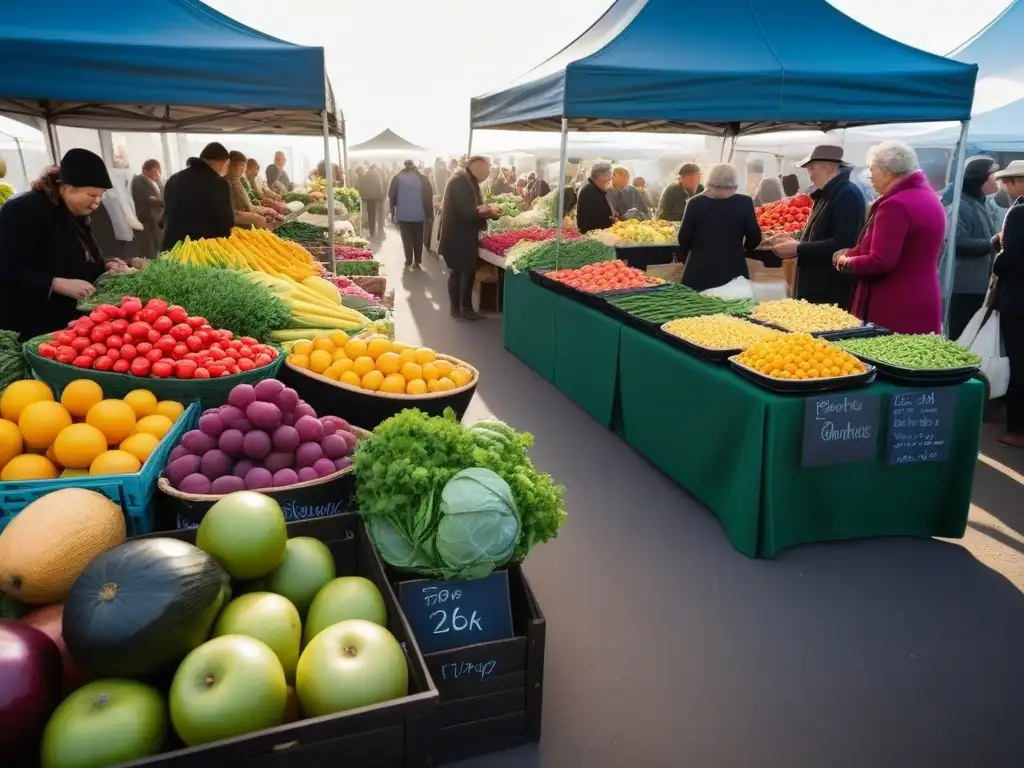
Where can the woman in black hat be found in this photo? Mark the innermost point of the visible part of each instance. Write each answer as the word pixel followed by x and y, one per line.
pixel 48 255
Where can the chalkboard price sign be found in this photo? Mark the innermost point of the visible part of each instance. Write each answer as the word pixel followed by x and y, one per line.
pixel 840 428
pixel 920 425
pixel 450 614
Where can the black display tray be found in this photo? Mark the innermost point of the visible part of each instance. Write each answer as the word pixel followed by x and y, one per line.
pixel 711 355
pixel 915 377
pixel 863 331
pixel 643 256
pixel 592 300
pixel 805 387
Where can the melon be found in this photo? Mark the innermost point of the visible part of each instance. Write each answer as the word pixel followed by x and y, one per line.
pixel 140 608
pixel 51 541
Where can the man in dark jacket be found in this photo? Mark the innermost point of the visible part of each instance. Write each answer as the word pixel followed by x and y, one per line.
pixel 594 208
pixel 411 200
pixel 371 195
pixel 463 217
pixel 148 196
pixel 197 200
pixel 835 223
pixel 1009 299
pixel 677 194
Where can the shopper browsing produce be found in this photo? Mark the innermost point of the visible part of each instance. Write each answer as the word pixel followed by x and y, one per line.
pixel 678 194
pixel 834 224
pixel 197 200
pixel 594 209
pixel 626 198
pixel 48 254
pixel 897 259
pixel 245 214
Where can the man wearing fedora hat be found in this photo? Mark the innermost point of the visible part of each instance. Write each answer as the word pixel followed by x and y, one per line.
pixel 834 224
pixel 1008 298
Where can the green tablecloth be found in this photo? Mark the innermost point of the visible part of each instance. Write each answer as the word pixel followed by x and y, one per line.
pixel 528 323
pixel 737 448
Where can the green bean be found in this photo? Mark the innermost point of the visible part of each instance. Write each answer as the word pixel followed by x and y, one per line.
pixel 672 302
pixel 920 352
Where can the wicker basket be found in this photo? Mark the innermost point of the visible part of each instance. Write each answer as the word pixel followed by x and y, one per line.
pixel 375 286
pixel 207 392
pixel 371 408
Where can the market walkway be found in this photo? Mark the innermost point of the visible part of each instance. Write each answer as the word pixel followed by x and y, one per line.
pixel 668 649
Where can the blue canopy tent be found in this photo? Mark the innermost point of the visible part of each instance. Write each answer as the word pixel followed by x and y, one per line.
pixel 729 68
pixel 159 66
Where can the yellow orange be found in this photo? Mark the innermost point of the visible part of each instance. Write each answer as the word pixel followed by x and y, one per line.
pixel 378 347
pixel 407 356
pixel 444 384
pixel 21 394
pixel 338 354
pixel 302 347
pixel 155 425
pixel 411 371
pixel 425 355
pixel 333 372
pixel 355 348
pixel 114 418
pixel 433 386
pixel 142 401
pixel 172 409
pixel 372 380
pixel 399 347
pixel 140 445
pixel 393 383
pixel 443 367
pixel 339 339
pixel 430 372
pixel 416 387
pixel 79 396
pixel 75 473
pixel 10 441
pixel 28 466
pixel 299 361
pixel 41 422
pixel 460 376
pixel 351 378
pixel 388 363
pixel 78 445
pixel 363 365
pixel 320 361
pixel 322 341
pixel 115 463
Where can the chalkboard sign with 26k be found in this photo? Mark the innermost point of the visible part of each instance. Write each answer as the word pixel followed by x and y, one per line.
pixel 451 614
pixel 920 425
pixel 839 429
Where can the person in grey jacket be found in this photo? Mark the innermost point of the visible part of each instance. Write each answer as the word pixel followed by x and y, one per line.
pixel 624 197
pixel 977 221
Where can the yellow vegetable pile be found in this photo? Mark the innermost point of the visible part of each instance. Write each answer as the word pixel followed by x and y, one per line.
pixel 799 356
pixel 650 232
pixel 315 304
pixel 83 434
pixel 249 249
pixel 378 364
pixel 718 331
pixel 803 317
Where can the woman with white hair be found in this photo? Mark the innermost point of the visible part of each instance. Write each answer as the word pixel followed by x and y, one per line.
pixel 718 233
pixel 896 260
pixel 769 190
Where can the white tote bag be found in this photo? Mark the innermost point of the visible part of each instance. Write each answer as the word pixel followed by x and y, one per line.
pixel 982 337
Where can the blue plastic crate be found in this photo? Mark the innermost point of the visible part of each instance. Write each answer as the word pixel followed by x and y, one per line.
pixel 134 493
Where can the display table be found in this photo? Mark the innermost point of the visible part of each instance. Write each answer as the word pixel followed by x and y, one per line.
pixel 491 258
pixel 733 445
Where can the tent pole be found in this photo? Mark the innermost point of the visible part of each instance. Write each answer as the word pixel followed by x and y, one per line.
pixel 165 145
pixel 21 156
pixel 562 169
pixel 329 173
pixel 732 148
pixel 946 277
pixel 469 149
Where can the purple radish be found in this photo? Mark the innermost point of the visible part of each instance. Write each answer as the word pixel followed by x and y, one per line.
pixel 268 390
pixel 241 396
pixel 335 447
pixel 196 483
pixel 256 444
pixel 258 478
pixel 306 474
pixel 242 467
pixel 227 484
pixel 324 467
pixel 278 460
pixel 211 424
pixel 286 476
pixel 286 439
pixel 231 443
pixel 308 453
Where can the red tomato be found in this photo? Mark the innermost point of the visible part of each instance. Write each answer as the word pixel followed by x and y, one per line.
pixel 163 368
pixel 114 342
pixel 143 347
pixel 67 358
pixel 100 332
pixel 205 338
pixel 234 344
pixel 83 361
pixel 234 354
pixel 140 367
pixel 217 370
pixel 194 343
pixel 109 310
pixel 181 331
pixel 48 351
pixel 153 336
pixel 122 314
pixel 249 341
pixel 139 330
pixel 122 366
pixel 119 327
pixel 184 369
pixel 114 354
pixel 103 363
pixel 147 315
pixel 131 305
pixel 154 356
pixel 179 351
pixel 177 314
pixel 99 349
pixel 163 324
pixel 261 360
pixel 98 316
pixel 233 369
pixel 273 353
pixel 217 353
pixel 226 334
pixel 157 305
pixel 165 344
pixel 200 373
pixel 196 322
pixel 245 364
pixel 129 352
pixel 64 338
pixel 91 352
pixel 80 343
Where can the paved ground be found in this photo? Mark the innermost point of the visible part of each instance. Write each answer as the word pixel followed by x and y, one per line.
pixel 668 649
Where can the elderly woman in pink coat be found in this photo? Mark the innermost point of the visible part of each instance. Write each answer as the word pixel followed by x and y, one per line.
pixel 896 260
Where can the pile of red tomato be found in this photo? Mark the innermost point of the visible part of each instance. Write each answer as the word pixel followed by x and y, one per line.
pixel 785 215
pixel 154 340
pixel 603 276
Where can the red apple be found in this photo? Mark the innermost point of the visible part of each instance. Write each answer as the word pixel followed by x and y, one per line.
pixel 49 620
pixel 30 668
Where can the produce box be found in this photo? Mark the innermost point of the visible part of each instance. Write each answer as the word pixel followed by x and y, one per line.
pixel 133 492
pixel 491 693
pixel 395 734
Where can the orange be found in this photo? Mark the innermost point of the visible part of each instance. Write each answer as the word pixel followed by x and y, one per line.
pixel 79 396
pixel 114 418
pixel 333 372
pixel 406 355
pixel 41 422
pixel 416 387
pixel 322 343
pixel 155 425
pixel 430 372
pixel 338 354
pixel 299 361
pixel 460 376
pixel 339 339
pixel 142 401
pixel 302 347
pixel 388 363
pixel 372 380
pixel 343 365
pixel 378 347
pixel 21 394
pixel 399 347
pixel 393 383
pixel 444 384
pixel 78 445
pixel 425 355
pixel 355 348
pixel 28 466
pixel 172 409
pixel 443 367
pixel 52 457
pixel 140 445
pixel 115 463
pixel 411 371
pixel 320 360
pixel 434 385
pixel 363 365
pixel 75 473
pixel 10 441
pixel 351 378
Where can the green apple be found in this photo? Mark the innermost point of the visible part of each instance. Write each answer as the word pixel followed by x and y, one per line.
pixel 246 532
pixel 105 722
pixel 308 564
pixel 351 664
pixel 347 597
pixel 267 617
pixel 228 686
